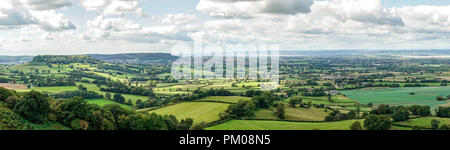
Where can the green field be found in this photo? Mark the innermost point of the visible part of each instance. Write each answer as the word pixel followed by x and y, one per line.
pixel 282 125
pixel 199 111
pixel 229 99
pixel 93 87
pixel 54 89
pixel 400 96
pixel 424 122
pixel 102 102
pixel 297 114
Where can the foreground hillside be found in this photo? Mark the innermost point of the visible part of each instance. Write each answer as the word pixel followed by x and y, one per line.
pixel 114 92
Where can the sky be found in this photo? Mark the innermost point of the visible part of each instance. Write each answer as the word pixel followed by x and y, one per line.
pixel 60 27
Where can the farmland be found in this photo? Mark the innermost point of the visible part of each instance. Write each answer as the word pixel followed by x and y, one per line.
pixel 400 96
pixel 102 102
pixel 199 111
pixel 281 125
pixel 315 93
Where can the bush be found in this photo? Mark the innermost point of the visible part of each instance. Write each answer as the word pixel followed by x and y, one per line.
pixel 420 110
pixel 33 106
pixel 80 93
pixel 377 122
pixel 435 124
pixel 12 121
pixel 280 113
pixel 444 127
pixel 356 126
pixel 399 113
pixel 443 112
pixel 241 109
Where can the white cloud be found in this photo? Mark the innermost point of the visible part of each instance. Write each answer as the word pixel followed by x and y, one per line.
pixel 367 11
pixel 114 7
pixel 15 14
pixel 179 19
pixel 113 24
pixel 47 4
pixel 252 8
pixel 51 21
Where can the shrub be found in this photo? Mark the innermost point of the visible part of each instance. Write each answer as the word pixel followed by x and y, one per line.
pixel 356 126
pixel 377 122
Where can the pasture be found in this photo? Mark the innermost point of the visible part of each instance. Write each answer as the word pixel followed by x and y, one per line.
pixel 399 96
pixel 102 102
pixel 228 99
pixel 424 122
pixel 297 114
pixel 199 111
pixel 54 89
pixel 282 125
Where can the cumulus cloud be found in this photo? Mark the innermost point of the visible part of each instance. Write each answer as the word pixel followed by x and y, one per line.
pixel 332 24
pixel 113 24
pixel 252 8
pixel 368 11
pixel 114 7
pixel 47 4
pixel 123 29
pixel 179 19
pixel 15 14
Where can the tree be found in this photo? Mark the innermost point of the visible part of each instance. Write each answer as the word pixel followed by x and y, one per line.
pixel 185 124
pixel 444 127
pixel 73 109
pixel 443 112
pixel 356 126
pixel 420 110
pixel 440 98
pixel 265 100
pixel 108 95
pixel 81 87
pixel 279 112
pixel 33 106
pixel 5 93
pixel 294 101
pixel 435 124
pixel 199 126
pixel 241 109
pixel 377 122
pixel 119 98
pixel 352 114
pixel 329 98
pixel 399 113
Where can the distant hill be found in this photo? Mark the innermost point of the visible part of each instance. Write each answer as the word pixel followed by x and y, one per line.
pixel 365 53
pixel 64 59
pixel 15 59
pixel 137 58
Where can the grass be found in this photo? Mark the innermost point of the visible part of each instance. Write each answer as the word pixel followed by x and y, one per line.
pixel 54 89
pixel 102 102
pixel 49 126
pixel 305 114
pixel 93 87
pixel 400 96
pixel 282 125
pixel 199 111
pixel 297 114
pixel 424 122
pixel 397 95
pixel 229 99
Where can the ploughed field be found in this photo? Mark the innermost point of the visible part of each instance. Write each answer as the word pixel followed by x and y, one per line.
pixel 400 96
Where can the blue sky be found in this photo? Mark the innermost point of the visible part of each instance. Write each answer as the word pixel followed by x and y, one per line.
pixel 118 26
